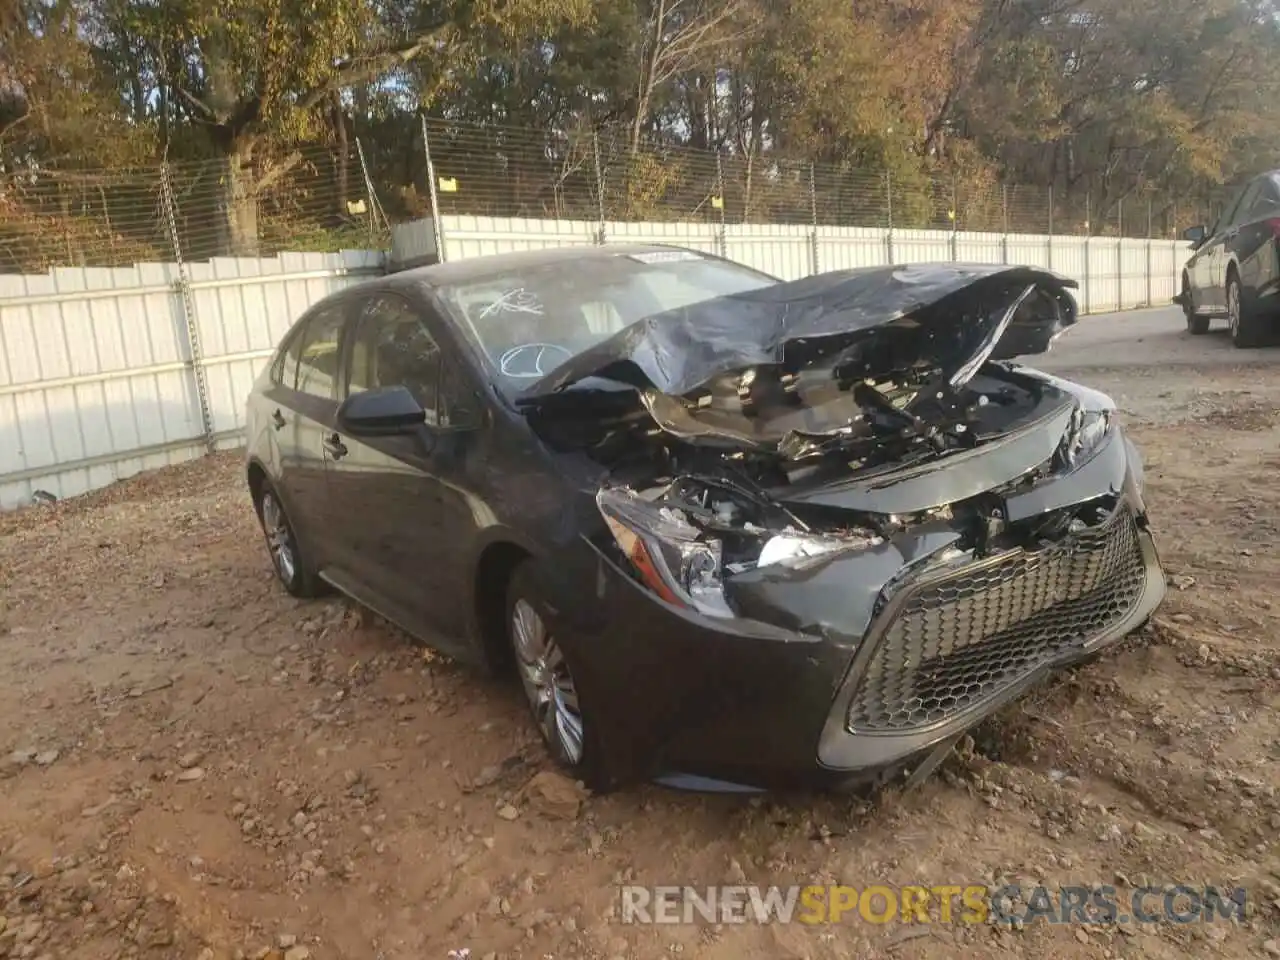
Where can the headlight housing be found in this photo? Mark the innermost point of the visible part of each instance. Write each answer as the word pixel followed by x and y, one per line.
pixel 684 565
pixel 673 558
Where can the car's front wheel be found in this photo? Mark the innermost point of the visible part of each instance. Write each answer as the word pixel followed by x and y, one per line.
pixel 287 559
pixel 547 676
pixel 1196 325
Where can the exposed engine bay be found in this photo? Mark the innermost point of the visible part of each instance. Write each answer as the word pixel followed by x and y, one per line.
pixel 784 465
pixel 718 512
pixel 831 447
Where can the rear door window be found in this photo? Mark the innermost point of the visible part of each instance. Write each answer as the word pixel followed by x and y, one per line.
pixel 1247 199
pixel 1263 202
pixel 316 354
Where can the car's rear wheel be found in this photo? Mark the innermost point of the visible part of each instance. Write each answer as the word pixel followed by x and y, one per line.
pixel 1196 325
pixel 550 686
pixel 1246 326
pixel 292 567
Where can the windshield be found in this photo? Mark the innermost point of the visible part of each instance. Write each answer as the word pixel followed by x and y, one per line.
pixel 531 320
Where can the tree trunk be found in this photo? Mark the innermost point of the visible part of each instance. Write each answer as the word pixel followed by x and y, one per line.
pixel 343 171
pixel 238 204
pixel 649 75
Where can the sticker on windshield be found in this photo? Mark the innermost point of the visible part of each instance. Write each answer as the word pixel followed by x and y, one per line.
pixel 518 300
pixel 666 256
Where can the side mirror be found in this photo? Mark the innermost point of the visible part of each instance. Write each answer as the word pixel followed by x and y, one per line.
pixel 1194 235
pixel 382 412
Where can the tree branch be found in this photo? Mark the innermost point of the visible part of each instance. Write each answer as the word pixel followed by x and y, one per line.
pixel 369 68
pixel 276 172
pixel 195 101
pixel 7 125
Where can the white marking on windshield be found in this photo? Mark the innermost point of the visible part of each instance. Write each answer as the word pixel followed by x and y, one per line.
pixel 518 300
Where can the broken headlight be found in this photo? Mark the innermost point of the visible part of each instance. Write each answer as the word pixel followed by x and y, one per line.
pixel 671 556
pixel 797 550
pixel 1088 429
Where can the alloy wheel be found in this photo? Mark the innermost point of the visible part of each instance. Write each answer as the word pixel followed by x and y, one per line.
pixel 279 538
pixel 547 683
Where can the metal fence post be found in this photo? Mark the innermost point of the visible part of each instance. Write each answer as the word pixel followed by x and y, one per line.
pixel 888 237
pixel 724 236
pixel 1151 224
pixel 955 219
pixel 1088 232
pixel 1049 242
pixel 595 152
pixel 436 218
pixel 1120 254
pixel 813 221
pixel 189 312
pixel 1004 216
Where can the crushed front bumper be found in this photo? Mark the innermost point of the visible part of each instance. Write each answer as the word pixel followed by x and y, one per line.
pixel 866 662
pixel 953 646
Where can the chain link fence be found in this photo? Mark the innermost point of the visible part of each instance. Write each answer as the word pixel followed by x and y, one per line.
pixel 313 199
pixel 323 198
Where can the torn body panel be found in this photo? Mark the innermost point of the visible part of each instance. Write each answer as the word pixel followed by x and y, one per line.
pixel 881 369
pixel 941 314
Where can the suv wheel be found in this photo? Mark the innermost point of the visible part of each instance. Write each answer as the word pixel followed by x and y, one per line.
pixel 1246 326
pixel 1196 325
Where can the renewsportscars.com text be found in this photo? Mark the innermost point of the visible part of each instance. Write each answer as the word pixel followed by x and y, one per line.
pixel 943 903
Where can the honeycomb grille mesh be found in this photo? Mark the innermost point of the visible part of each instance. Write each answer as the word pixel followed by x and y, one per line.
pixel 961 640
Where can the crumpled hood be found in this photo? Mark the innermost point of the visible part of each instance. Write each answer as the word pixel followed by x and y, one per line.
pixel 958 307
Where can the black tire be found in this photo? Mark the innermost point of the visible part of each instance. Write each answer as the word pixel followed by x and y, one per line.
pixel 550 684
pixel 1196 325
pixel 1246 326
pixel 292 567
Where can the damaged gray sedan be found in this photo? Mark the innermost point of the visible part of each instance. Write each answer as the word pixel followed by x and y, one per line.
pixel 731 532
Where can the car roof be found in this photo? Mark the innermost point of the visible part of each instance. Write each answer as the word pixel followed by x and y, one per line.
pixel 480 268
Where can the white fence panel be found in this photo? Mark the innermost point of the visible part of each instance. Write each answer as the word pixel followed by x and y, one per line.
pixel 1104 274
pixel 847 248
pixel 1030 250
pixel 784 251
pixel 980 248
pixel 95 363
pixel 96 374
pixel 1135 289
pixel 481 236
pixel 696 236
pixel 1066 256
pixel 920 246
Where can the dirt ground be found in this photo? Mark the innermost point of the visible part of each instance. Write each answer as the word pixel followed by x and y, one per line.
pixel 194 765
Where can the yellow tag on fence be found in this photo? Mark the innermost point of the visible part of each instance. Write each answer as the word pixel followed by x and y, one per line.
pixel 447 184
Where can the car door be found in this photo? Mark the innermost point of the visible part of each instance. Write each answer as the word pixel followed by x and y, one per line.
pixel 1229 247
pixel 401 499
pixel 1211 274
pixel 305 402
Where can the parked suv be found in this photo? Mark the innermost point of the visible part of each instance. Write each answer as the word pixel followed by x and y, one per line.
pixel 1235 271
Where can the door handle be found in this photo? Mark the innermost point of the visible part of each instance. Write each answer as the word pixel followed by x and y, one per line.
pixel 277 419
pixel 337 449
